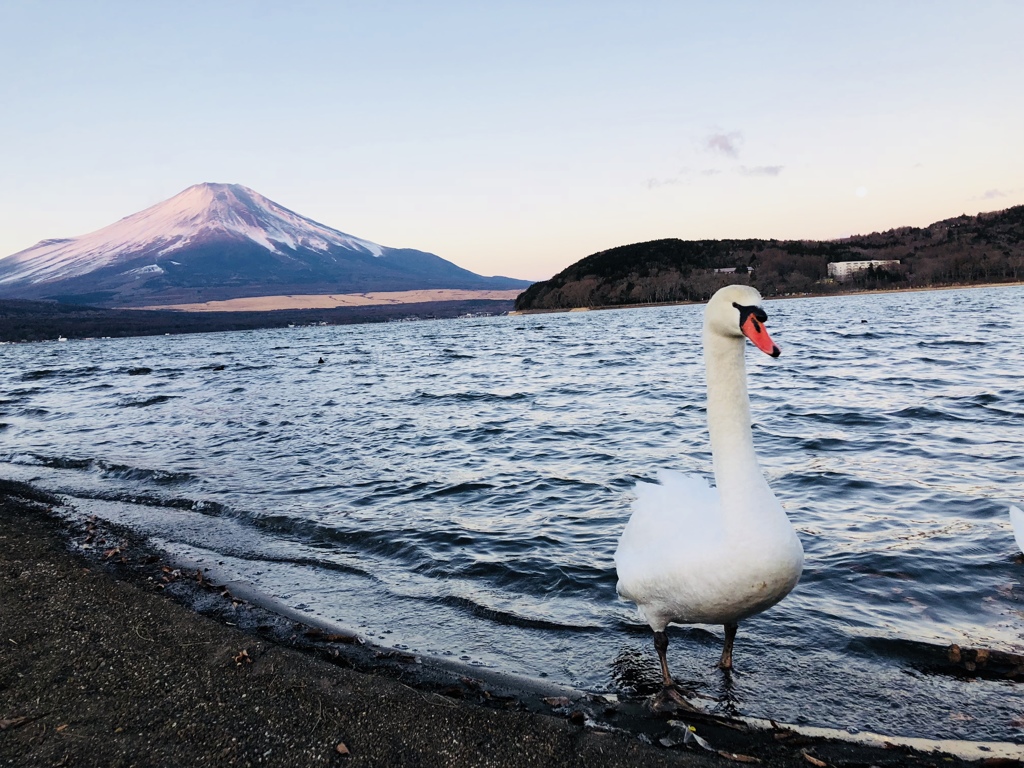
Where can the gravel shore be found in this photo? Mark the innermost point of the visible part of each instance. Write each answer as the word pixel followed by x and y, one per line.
pixel 101 664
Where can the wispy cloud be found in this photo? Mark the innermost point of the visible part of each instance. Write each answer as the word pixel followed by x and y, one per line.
pixel 997 194
pixel 760 170
pixel 691 175
pixel 727 144
pixel 682 176
pixel 654 183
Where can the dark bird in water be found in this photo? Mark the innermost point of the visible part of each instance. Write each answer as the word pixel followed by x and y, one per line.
pixel 320 361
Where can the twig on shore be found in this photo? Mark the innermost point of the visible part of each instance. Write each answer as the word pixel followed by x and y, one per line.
pixel 319 715
pixel 17 722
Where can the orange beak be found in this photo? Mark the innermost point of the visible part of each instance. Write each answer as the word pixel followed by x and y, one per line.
pixel 754 330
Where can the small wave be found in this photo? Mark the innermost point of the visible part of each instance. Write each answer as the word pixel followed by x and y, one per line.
pixel 44 373
pixel 33 412
pixel 455 490
pixel 308 562
pixel 951 343
pixel 55 462
pixel 69 373
pixel 145 402
pixel 829 444
pixel 842 418
pixel 521 571
pixel 983 398
pixel 158 476
pixel 106 469
pixel 928 414
pixel 201 506
pixel 140 371
pixel 20 394
pixel 472 397
pixel 559 484
pixel 865 335
pixel 507 618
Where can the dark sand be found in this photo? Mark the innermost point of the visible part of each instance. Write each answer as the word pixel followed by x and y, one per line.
pixel 102 663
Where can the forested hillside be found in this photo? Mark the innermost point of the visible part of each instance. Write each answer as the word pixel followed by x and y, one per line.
pixel 986 248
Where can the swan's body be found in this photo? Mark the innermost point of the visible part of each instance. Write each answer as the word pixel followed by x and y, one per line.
pixel 1017 521
pixel 693 554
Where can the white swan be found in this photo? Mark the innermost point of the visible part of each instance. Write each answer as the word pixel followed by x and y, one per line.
pixel 693 554
pixel 1017 521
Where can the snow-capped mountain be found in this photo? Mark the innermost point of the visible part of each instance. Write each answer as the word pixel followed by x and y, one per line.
pixel 218 241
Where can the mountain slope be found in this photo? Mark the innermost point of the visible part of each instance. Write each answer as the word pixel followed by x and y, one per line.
pixel 221 241
pixel 988 247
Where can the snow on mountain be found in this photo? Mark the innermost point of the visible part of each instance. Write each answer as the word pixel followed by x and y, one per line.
pixel 222 241
pixel 202 212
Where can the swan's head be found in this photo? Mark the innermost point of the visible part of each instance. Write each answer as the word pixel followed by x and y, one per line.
pixel 735 311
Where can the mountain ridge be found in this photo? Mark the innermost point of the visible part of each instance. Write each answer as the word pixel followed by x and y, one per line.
pixel 221 241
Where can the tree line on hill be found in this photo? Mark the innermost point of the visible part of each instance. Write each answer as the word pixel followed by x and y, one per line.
pixel 987 248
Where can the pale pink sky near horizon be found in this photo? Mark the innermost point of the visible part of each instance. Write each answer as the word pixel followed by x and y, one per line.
pixel 516 138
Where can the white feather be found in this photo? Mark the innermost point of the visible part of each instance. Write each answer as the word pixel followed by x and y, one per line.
pixel 693 554
pixel 1017 521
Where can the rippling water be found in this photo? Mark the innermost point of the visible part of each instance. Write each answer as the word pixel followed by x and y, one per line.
pixel 458 487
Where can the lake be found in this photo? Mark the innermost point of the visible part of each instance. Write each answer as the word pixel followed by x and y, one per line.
pixel 457 488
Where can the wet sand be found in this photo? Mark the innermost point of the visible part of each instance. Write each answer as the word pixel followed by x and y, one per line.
pixel 112 656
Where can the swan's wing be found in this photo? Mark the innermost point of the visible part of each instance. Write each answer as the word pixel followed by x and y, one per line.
pixel 1017 521
pixel 672 521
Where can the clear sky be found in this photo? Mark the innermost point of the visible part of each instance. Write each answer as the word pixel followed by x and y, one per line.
pixel 515 138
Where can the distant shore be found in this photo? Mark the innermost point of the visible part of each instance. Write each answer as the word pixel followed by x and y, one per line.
pixel 772 298
pixel 104 660
pixel 331 301
pixel 34 321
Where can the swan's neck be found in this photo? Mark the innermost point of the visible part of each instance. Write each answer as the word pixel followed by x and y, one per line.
pixel 737 473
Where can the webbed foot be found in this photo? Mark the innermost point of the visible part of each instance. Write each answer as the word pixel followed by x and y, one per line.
pixel 671 699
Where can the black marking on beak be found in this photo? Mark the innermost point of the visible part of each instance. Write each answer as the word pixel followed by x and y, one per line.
pixel 745 312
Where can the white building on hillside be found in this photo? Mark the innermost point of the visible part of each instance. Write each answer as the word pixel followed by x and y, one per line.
pixel 840 270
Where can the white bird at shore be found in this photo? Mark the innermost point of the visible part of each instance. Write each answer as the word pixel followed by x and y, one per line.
pixel 1017 521
pixel 694 554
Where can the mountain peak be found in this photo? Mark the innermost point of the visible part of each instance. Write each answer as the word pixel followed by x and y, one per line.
pixel 221 241
pixel 202 213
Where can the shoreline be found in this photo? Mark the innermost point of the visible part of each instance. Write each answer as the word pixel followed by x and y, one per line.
pixel 112 654
pixel 874 292
pixel 332 301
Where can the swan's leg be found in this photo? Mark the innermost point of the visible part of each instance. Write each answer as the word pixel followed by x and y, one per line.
pixel 670 699
pixel 661 646
pixel 730 636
